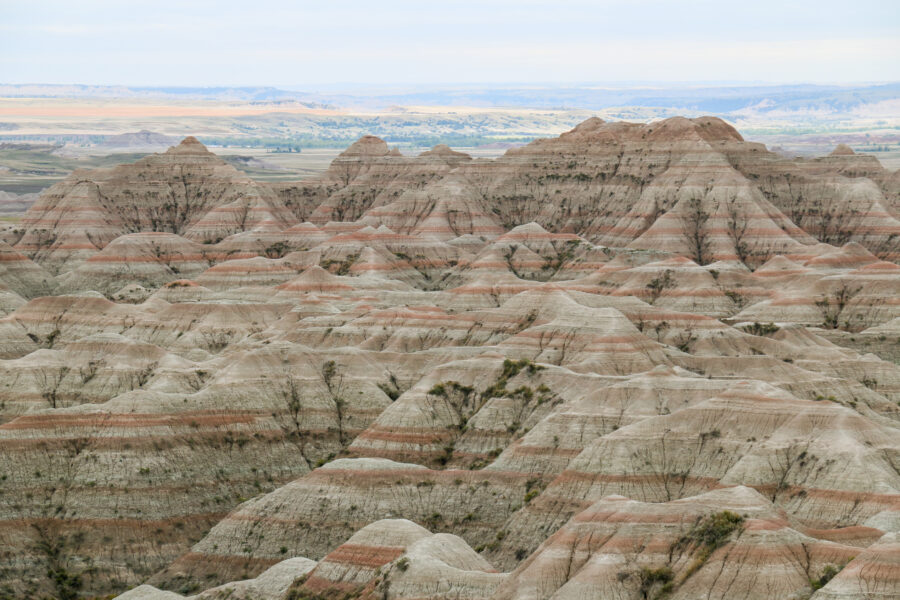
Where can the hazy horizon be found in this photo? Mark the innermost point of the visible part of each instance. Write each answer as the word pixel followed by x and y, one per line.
pixel 359 86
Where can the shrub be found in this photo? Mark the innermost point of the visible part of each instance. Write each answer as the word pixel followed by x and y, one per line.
pixel 761 329
pixel 828 574
pixel 650 577
pixel 659 284
pixel 714 530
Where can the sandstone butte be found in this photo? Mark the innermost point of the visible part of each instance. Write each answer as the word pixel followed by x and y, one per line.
pixel 634 362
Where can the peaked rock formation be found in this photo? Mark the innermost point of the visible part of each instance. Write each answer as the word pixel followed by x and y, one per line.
pixel 444 210
pixel 146 259
pixel 398 558
pixel 367 174
pixel 842 150
pixel 187 190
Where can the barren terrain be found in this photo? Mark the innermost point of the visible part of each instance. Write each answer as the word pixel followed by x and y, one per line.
pixel 634 361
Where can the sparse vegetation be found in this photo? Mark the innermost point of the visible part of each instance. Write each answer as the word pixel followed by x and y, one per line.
pixel 658 285
pixel 761 329
pixel 656 580
pixel 832 305
pixel 828 573
pixel 707 535
pixel 694 228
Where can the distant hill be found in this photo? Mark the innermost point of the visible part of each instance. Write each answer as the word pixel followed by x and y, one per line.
pixel 140 139
pixel 719 99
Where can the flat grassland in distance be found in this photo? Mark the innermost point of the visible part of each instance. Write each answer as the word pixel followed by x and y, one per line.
pixel 43 139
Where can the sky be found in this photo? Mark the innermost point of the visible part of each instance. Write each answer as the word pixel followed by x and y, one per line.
pixel 304 44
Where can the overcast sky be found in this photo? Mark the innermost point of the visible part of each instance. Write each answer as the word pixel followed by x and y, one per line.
pixel 303 44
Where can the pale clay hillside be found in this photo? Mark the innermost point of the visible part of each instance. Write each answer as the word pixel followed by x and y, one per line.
pixel 632 362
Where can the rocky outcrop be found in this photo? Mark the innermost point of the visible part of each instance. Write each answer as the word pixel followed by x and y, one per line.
pixel 274 583
pixel 729 543
pixel 399 559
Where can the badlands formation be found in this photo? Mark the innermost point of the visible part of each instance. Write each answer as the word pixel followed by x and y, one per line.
pixel 636 361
